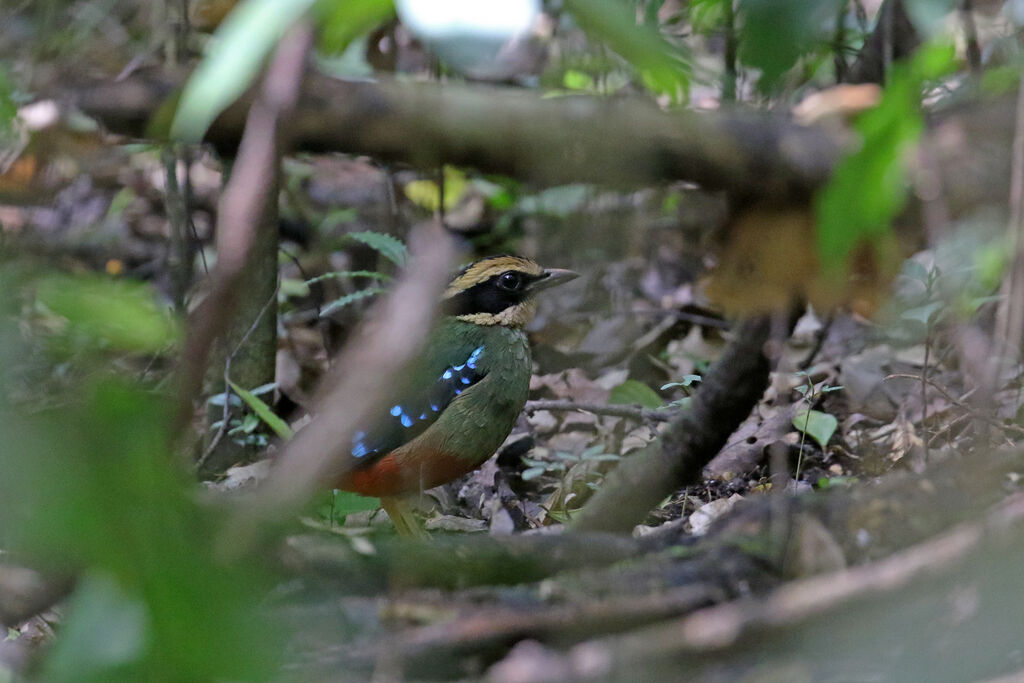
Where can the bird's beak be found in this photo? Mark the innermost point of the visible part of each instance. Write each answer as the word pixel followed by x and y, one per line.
pixel 552 277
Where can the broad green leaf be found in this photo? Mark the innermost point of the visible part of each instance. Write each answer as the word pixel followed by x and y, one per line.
pixel 632 392
pixel 706 15
pixel 663 67
pixel 263 411
pixel 338 304
pixel 237 52
pixel 341 21
pixel 389 247
pixel 85 652
pixel 776 33
pixel 869 187
pixel 121 313
pixel 92 486
pixel 817 425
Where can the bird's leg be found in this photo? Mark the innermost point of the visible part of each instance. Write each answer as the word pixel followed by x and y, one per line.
pixel 405 522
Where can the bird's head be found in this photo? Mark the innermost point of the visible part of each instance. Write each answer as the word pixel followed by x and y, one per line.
pixel 500 290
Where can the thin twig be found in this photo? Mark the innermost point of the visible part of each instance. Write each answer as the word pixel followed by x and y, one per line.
pixel 924 383
pixel 959 404
pixel 630 412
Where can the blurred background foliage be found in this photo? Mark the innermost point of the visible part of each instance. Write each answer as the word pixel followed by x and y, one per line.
pixel 93 483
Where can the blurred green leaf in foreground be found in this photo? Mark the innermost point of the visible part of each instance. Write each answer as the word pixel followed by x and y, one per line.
pixel 90 488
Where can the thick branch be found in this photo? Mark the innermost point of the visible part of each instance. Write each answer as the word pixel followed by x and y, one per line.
pixel 516 132
pixel 959 587
pixel 726 397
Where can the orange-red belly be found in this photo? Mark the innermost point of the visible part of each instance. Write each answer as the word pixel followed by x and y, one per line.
pixel 401 472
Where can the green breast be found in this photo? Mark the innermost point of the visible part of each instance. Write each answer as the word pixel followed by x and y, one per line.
pixel 476 423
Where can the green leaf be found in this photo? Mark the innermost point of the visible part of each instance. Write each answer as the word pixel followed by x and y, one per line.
pixel 389 247
pixel 868 188
pixel 345 503
pixel 291 287
pixel 236 55
pixel 632 392
pixel 341 21
pixel 263 411
pixel 817 425
pixel 532 473
pixel 922 314
pixel 776 33
pixel 573 79
pixel 372 274
pixel 426 193
pixel 686 381
pixel 832 482
pixel 338 304
pixel 663 67
pixel 121 314
pixel 85 652
pixel 145 548
pixel 915 271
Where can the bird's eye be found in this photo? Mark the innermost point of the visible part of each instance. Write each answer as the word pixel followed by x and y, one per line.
pixel 510 281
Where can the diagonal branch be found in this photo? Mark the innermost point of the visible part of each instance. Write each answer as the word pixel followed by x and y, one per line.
pixel 729 391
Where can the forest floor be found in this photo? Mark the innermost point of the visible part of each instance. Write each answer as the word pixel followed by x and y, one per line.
pixel 855 407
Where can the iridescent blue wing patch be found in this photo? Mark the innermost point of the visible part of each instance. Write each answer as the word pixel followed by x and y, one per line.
pixel 411 416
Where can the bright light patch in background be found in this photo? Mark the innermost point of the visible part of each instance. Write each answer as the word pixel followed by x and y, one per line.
pixel 480 38
pixel 503 19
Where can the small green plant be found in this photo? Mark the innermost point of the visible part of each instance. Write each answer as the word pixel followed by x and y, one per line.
pixel 242 427
pixel 816 424
pixel 578 475
pixel 387 246
pixel 687 385
pixel 344 503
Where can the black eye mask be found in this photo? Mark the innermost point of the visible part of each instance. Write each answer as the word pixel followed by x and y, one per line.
pixel 493 295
